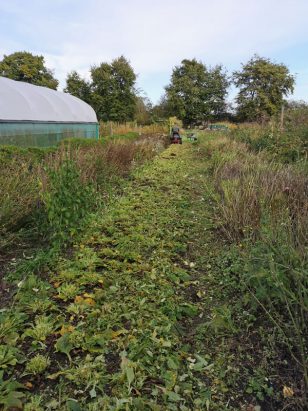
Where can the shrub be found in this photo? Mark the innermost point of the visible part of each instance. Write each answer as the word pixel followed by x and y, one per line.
pixel 66 198
pixel 288 146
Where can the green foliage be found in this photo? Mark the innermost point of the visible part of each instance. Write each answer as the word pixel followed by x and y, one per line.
pixel 262 85
pixel 111 92
pixel 34 404
pixel 10 394
pixel 258 385
pixel 18 188
pixel 24 66
pixel 261 208
pixel 10 323
pixel 41 329
pixel 8 356
pixel 37 364
pixel 33 294
pixel 143 112
pixel 67 201
pixel 113 88
pixel 154 307
pixel 162 110
pixel 197 93
pixel 279 284
pixel 287 146
pixel 68 291
pixel 78 87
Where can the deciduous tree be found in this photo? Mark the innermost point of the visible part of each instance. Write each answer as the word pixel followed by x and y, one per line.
pixel 143 114
pixel 263 85
pixel 113 85
pixel 24 66
pixel 197 93
pixel 162 110
pixel 78 87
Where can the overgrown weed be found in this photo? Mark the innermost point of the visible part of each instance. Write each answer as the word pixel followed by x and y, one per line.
pixel 261 208
pixel 52 190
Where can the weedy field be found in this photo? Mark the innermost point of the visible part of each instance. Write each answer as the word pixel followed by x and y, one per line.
pixel 185 288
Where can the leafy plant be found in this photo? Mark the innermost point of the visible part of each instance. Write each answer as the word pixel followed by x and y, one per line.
pixel 68 291
pixel 43 327
pixel 37 364
pixel 9 325
pixel 10 393
pixel 8 356
pixel 67 200
pixel 259 386
pixel 35 404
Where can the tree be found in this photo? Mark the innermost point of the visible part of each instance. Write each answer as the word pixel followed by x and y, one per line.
pixel 78 87
pixel 162 110
pixel 24 66
pixel 143 113
pixel 113 86
pixel 197 93
pixel 262 85
pixel 296 116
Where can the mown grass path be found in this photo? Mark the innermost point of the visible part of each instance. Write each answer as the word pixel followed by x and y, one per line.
pixel 119 321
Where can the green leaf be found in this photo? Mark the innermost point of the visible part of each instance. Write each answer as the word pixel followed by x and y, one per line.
pixel 64 345
pixel 73 405
pixel 173 396
pixel 130 375
pixel 93 393
pixel 13 400
pixel 174 365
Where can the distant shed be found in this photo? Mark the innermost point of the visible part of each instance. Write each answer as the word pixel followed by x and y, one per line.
pixel 38 116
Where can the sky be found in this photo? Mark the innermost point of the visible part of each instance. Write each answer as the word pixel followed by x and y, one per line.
pixel 156 35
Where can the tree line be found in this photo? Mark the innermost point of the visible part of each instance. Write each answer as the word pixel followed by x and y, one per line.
pixel 197 93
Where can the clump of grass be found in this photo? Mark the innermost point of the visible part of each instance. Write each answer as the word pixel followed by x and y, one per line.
pixel 18 193
pixel 250 191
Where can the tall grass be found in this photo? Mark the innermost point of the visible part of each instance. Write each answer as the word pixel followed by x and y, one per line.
pixel 288 145
pixel 262 207
pixel 113 128
pixel 65 183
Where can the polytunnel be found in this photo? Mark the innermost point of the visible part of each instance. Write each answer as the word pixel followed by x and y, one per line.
pixel 38 116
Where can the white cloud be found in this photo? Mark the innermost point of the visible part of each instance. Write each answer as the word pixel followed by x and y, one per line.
pixel 154 35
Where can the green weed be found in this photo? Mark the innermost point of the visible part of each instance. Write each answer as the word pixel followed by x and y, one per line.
pixel 37 364
pixel 9 356
pixel 42 328
pixel 10 393
pixel 67 201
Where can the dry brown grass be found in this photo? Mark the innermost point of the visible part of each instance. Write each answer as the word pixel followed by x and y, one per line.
pixel 110 128
pixel 18 193
pixel 114 158
pixel 249 189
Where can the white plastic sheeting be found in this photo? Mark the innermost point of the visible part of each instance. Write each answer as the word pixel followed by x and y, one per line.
pixel 21 101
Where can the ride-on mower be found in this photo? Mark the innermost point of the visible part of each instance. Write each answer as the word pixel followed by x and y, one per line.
pixel 175 137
